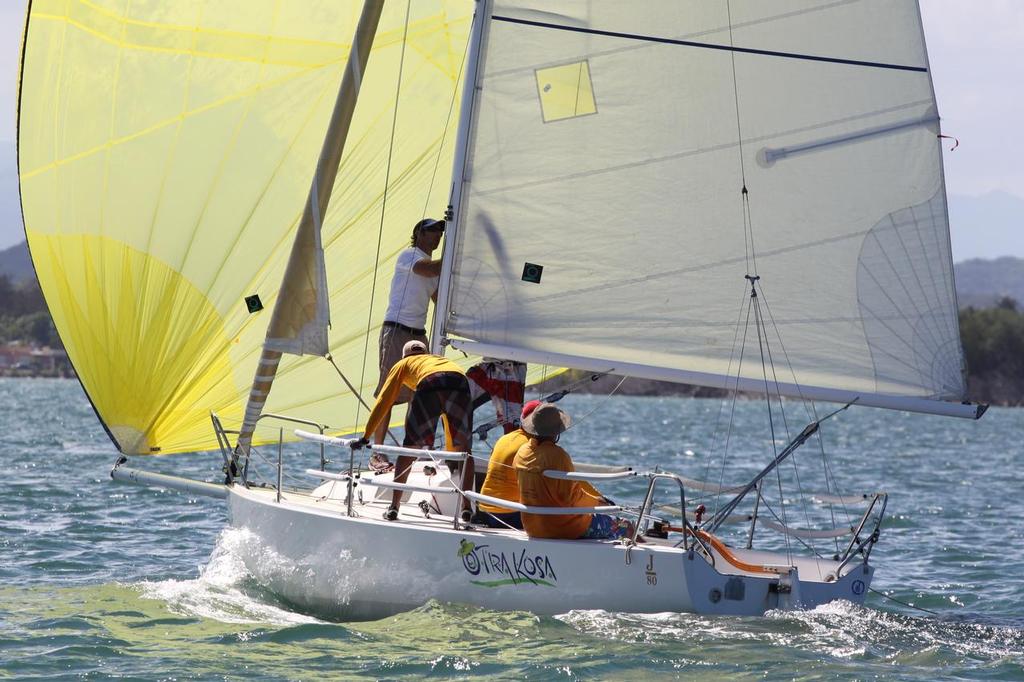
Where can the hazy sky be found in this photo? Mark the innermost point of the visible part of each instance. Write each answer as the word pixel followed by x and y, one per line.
pixel 973 45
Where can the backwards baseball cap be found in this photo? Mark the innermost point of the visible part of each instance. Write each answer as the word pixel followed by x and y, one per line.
pixel 413 347
pixel 529 407
pixel 430 225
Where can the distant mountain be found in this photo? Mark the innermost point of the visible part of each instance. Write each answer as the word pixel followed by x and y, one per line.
pixel 981 283
pixel 15 263
pixel 986 226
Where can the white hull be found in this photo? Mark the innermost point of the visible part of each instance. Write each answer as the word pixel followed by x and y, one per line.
pixel 363 567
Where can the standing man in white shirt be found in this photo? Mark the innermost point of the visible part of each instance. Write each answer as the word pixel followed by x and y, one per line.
pixel 413 287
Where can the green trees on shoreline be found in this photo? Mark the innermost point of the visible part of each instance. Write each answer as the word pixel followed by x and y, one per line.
pixel 23 314
pixel 993 340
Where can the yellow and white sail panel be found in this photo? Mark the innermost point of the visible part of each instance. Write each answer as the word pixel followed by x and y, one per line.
pixel 166 152
pixel 629 165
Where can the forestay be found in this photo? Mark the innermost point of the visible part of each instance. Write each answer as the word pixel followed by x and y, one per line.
pixel 603 221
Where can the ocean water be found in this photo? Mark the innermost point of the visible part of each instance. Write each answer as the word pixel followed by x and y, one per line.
pixel 102 580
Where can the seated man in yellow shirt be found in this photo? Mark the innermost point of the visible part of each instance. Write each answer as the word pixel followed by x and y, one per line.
pixel 541 453
pixel 441 388
pixel 502 480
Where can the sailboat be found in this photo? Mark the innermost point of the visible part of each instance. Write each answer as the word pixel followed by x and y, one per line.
pixel 653 190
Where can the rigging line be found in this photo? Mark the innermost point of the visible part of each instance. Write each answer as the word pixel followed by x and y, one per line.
pixel 747 227
pixel 711 46
pixel 747 248
pixel 599 405
pixel 721 405
pixel 447 125
pixel 785 423
pixel 811 411
pixel 811 408
pixel 384 202
pixel 911 606
pixel 796 470
pixel 437 161
pixel 799 539
pixel 767 20
pixel 827 471
pixel 768 400
pixel 355 392
pixel 748 219
pixel 732 415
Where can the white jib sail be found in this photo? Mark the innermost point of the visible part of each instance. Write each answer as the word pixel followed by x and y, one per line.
pixel 603 221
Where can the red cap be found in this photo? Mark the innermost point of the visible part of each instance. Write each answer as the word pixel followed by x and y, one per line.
pixel 530 407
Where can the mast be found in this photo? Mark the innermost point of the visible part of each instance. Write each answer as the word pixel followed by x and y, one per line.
pixel 301 316
pixel 469 89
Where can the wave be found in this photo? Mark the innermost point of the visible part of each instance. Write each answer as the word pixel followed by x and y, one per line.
pixel 226 590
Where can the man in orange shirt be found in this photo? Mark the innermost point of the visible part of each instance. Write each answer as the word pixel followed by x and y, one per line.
pixel 502 480
pixel 541 453
pixel 441 388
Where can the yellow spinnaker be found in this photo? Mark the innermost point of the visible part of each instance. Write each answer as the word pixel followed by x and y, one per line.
pixel 165 154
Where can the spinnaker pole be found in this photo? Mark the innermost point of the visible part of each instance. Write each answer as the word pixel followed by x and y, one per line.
pixel 301 316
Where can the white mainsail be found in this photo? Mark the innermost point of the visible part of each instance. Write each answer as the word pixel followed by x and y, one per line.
pixel 628 165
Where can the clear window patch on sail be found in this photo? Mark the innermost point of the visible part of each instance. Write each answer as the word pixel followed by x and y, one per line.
pixel 565 91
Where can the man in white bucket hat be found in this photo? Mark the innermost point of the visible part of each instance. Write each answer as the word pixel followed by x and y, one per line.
pixel 541 453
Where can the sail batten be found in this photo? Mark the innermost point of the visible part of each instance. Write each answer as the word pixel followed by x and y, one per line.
pixel 709 46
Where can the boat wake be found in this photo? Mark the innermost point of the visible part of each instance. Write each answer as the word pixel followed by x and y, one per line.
pixel 839 630
pixel 227 590
pixel 243 581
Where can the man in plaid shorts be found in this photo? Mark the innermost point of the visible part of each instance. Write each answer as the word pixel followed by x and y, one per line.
pixel 441 389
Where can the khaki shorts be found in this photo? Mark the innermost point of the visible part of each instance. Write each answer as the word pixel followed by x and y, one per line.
pixel 392 339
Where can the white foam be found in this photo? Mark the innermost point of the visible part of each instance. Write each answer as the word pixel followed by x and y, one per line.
pixel 218 593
